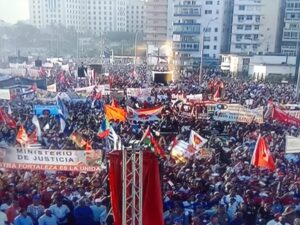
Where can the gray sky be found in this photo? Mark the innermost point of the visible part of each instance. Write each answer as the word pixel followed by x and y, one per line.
pixel 14 10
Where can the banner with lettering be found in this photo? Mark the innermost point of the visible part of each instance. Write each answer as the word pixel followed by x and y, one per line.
pixel 139 92
pixel 238 113
pixel 46 159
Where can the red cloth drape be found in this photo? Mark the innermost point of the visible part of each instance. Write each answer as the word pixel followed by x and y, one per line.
pixel 152 196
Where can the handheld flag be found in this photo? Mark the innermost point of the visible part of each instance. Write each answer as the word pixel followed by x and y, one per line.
pixel 7 119
pixel 62 108
pixel 104 129
pixel 114 113
pixel 196 140
pixel 148 139
pixel 181 151
pixel 217 94
pixel 262 157
pixel 22 137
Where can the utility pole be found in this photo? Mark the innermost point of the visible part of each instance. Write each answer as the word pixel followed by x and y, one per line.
pixel 297 67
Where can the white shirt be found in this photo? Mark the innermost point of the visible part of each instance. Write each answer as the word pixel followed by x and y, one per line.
pixel 60 212
pixel 3 218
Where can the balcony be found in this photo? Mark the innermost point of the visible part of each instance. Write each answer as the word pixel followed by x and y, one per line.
pixel 186 47
pixel 187 11
pixel 187 29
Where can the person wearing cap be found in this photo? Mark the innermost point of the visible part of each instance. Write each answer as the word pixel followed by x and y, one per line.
pixel 99 212
pixel 23 218
pixel 60 211
pixel 47 218
pixel 35 210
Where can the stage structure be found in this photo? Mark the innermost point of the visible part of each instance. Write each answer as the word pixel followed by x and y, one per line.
pixel 132 186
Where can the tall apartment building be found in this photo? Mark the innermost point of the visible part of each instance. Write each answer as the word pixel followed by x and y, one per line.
pixel 197 25
pixel 156 22
pixel 97 16
pixel 256 26
pixel 135 16
pixel 291 29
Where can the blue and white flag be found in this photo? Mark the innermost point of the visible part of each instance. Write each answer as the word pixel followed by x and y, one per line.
pixel 62 108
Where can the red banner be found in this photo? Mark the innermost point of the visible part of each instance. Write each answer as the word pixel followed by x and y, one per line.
pixel 282 116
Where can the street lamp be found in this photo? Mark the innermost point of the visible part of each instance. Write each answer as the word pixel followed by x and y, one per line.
pixel 135 40
pixel 202 47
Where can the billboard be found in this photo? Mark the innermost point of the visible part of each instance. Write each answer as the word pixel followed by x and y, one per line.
pixel 49 159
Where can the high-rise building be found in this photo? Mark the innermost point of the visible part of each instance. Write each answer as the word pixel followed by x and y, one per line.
pixel 256 26
pixel 200 28
pixel 156 22
pixel 291 29
pixel 96 16
pixel 135 16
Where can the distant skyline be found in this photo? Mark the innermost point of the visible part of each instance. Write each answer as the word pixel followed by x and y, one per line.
pixel 12 11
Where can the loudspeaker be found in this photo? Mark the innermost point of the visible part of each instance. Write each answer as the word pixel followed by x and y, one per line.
pixel 82 71
pixel 38 63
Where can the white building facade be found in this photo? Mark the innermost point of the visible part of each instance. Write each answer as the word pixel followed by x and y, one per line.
pixel 200 25
pixel 291 29
pixel 135 16
pixel 96 16
pixel 258 66
pixel 256 26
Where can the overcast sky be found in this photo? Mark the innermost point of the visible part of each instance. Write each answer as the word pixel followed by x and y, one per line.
pixel 14 10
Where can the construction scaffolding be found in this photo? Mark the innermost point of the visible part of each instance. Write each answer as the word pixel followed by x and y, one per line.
pixel 132 186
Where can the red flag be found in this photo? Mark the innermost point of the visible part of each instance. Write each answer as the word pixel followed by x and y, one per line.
pixel 217 94
pixel 22 137
pixel 32 138
pixel 4 117
pixel 262 157
pixel 114 103
pixel 88 146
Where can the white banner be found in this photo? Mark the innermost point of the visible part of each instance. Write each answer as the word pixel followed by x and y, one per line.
pixel 238 113
pixel 46 159
pixel 139 92
pixel 292 144
pixel 5 94
pixel 51 88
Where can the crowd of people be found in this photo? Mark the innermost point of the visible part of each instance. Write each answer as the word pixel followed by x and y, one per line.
pixel 217 190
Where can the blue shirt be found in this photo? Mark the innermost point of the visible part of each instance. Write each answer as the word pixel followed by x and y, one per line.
pixel 21 220
pixel 47 220
pixel 83 215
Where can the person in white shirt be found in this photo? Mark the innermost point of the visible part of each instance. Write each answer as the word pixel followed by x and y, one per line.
pixel 47 218
pixel 3 218
pixel 60 211
pixel 99 212
pixel 231 202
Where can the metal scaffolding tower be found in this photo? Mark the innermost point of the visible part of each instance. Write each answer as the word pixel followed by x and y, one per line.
pixel 132 186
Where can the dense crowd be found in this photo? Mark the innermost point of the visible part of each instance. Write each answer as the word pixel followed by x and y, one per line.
pixel 219 190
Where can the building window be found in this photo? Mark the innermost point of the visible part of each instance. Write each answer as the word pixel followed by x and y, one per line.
pixel 206 38
pixel 248 27
pixel 241 18
pixel 206 47
pixel 248 37
pixel 208 2
pixel 240 27
pixel 249 17
pixel 215 38
pixel 239 37
pixel 255 36
pixel 208 11
pixel 238 46
pixel 216 29
pixel 215 47
pixel 257 18
pixel 256 27
pixel 242 7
